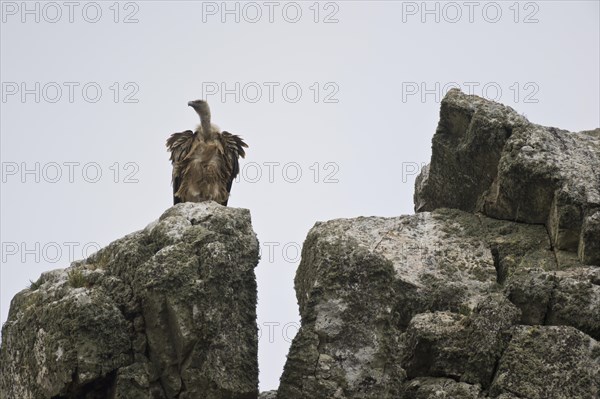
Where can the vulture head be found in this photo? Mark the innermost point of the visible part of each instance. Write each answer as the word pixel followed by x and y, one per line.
pixel 200 106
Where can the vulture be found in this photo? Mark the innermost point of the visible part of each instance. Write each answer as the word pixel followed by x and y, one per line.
pixel 205 162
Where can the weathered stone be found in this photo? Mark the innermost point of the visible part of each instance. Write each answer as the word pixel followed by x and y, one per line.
pixel 132 382
pixel 589 243
pixel 425 306
pixel 429 388
pixel 362 281
pixel 464 348
pixel 435 346
pixel 166 312
pixel 466 149
pixel 487 326
pixel 576 300
pixel 549 362
pixel 486 157
pixel 62 338
pixel 346 345
pixel 268 395
pixel 531 291
pixel 570 297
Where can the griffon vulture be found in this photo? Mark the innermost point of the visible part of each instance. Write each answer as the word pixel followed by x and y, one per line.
pixel 204 162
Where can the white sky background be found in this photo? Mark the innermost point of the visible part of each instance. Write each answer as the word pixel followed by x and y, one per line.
pixel 369 63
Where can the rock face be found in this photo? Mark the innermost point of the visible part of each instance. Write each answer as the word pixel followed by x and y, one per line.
pixel 551 362
pixel 488 158
pixel 459 303
pixel 166 312
pixel 403 307
pixel 268 395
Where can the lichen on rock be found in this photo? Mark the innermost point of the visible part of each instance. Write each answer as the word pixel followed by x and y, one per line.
pixel 488 158
pixel 489 291
pixel 165 312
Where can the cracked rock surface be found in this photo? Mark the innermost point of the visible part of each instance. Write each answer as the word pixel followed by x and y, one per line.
pixel 165 312
pixel 492 290
pixel 405 307
pixel 486 157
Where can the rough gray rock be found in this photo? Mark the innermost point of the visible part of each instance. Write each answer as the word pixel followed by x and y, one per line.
pixel 166 312
pixel 460 347
pixel 385 301
pixel 488 158
pixel 436 305
pixel 549 362
pixel 429 388
pixel 359 284
pixel 268 395
pixel 570 297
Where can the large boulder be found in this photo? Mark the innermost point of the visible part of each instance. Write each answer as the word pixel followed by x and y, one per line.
pixel 165 312
pixel 386 302
pixel 492 290
pixel 488 158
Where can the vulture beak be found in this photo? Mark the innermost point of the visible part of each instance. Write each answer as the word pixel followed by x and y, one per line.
pixel 198 104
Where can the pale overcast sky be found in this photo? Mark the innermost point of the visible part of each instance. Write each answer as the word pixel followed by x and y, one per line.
pixel 337 100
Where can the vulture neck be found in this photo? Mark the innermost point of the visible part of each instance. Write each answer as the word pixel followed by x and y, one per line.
pixel 207 133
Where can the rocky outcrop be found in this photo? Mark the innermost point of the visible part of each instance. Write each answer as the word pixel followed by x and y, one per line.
pixel 166 312
pixel 492 290
pixel 398 307
pixel 488 158
pixel 498 297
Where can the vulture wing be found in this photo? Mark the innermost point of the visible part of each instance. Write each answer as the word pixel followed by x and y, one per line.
pixel 179 144
pixel 233 147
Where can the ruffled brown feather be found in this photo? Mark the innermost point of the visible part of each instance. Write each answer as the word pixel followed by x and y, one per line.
pixel 204 169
